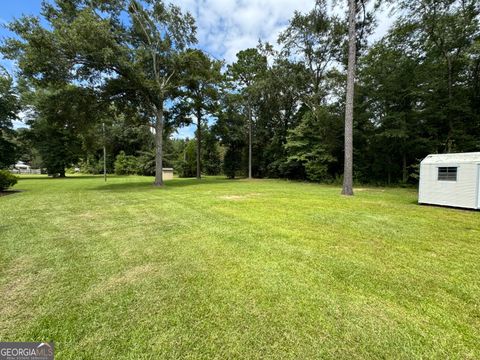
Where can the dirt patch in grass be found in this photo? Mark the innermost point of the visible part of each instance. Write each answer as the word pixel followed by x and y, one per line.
pixel 129 277
pixel 232 197
pixel 90 215
pixel 239 197
pixel 367 189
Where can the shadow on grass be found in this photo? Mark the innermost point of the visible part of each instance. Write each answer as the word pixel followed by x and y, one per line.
pixel 446 207
pixel 60 178
pixel 169 184
pixel 9 192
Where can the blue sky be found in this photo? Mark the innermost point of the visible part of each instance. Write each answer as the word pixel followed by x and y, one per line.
pixel 15 9
pixel 224 26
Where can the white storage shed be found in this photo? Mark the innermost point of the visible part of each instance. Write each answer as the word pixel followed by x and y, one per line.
pixel 450 180
pixel 167 174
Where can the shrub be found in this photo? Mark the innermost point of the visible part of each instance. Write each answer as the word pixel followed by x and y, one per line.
pixel 126 164
pixel 7 180
pixel 91 165
pixel 185 169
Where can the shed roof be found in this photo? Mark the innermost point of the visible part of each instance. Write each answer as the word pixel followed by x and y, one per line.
pixel 457 158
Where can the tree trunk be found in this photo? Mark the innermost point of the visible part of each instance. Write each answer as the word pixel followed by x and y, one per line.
pixel 249 141
pixel 448 144
pixel 104 154
pixel 159 146
pixel 199 145
pixel 404 169
pixel 352 49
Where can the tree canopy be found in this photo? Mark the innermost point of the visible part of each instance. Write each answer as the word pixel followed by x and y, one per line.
pixel 277 110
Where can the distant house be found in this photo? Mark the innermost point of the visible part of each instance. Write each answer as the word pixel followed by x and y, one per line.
pixel 22 168
pixel 450 180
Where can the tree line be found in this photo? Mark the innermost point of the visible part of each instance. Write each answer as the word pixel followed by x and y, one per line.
pixel 276 111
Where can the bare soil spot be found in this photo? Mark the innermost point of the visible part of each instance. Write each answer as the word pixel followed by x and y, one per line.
pixel 130 276
pixel 88 216
pixel 232 197
pixel 239 197
pixel 367 189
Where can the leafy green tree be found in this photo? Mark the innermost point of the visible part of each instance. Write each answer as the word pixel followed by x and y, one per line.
pixel 57 119
pixel 129 134
pixel 211 157
pixel 58 148
pixel 26 149
pixel 447 31
pixel 9 107
pixel 275 99
pixel 280 113
pixel 230 130
pixel 314 40
pixel 173 149
pixel 245 75
pixel 199 95
pixel 89 43
pixel 390 78
pixel 404 81
pixel 186 163
pixel 162 32
pixel 307 148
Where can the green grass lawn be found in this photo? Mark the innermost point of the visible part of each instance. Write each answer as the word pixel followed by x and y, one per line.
pixel 236 269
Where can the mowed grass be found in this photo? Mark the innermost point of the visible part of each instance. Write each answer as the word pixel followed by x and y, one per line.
pixel 218 269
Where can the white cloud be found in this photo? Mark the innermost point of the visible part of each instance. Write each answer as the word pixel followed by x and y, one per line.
pixel 227 26
pixel 185 132
pixel 386 17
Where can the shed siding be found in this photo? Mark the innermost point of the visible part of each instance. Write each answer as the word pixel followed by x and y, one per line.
pixel 167 174
pixel 460 193
pixel 478 186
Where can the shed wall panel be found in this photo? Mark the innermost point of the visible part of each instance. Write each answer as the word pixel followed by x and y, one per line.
pixel 167 174
pixel 460 193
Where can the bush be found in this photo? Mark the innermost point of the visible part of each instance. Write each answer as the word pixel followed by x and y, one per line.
pixel 7 180
pixel 91 165
pixel 126 164
pixel 185 169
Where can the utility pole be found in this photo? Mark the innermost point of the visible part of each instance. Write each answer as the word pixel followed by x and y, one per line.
pixel 199 144
pixel 249 140
pixel 104 154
